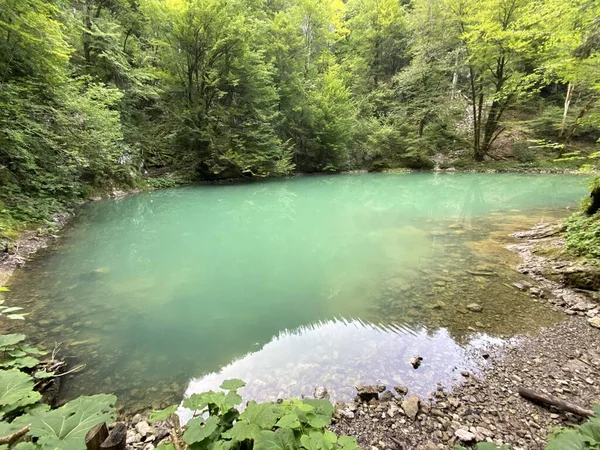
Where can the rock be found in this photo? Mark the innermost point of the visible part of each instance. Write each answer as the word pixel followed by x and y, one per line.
pixel 143 428
pixel 348 414
pixel 582 306
pixel 368 393
pixel 464 435
pixel 474 307
pixel 132 437
pixel 136 419
pixel 386 396
pixel 411 406
pixel 416 362
pixel 595 322
pixel 521 286
pixel 321 393
pixel 148 447
pixel 401 390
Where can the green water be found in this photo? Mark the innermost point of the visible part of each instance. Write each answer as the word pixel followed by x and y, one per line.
pixel 289 284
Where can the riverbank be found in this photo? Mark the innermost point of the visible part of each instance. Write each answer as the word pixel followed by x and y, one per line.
pixel 563 360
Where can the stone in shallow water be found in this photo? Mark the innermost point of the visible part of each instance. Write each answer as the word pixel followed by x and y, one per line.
pixel 474 307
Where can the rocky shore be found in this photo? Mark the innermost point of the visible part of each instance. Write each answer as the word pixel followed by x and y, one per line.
pixel 563 360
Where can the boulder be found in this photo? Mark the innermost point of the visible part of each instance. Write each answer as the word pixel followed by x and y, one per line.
pixel 411 406
pixel 594 321
pixel 368 393
pixel 386 396
pixel 143 428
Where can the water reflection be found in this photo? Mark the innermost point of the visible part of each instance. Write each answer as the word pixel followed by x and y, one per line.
pixel 340 354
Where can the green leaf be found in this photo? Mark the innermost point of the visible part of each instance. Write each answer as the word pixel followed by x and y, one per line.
pixel 66 427
pixel 289 421
pixel 330 436
pixel 347 442
pixel 264 415
pixel 26 446
pixel 198 429
pixel 323 407
pixel 27 362
pixel 316 441
pixel 165 447
pixel 566 440
pixel 16 390
pixel 282 439
pixel 4 289
pixel 597 410
pixel 32 350
pixel 219 399
pixel 591 430
pixel 232 384
pixel 317 420
pixel 162 414
pixel 242 431
pixel 41 374
pixel 10 339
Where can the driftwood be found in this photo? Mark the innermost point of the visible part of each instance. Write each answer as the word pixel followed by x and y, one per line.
pixel 15 436
pixel 116 439
pixel 96 436
pixel 551 400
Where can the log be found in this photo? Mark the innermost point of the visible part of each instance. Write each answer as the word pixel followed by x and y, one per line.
pixel 96 436
pixel 551 400
pixel 116 440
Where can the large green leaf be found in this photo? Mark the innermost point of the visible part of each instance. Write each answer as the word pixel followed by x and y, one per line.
pixel 347 442
pixel 232 384
pixel 323 407
pixel 221 400
pixel 162 414
pixel 198 429
pixel 264 415
pixel 290 420
pixel 7 340
pixel 282 439
pixel 16 390
pixel 26 446
pixel 65 427
pixel 567 440
pixel 242 431
pixel 26 362
pixel 316 440
pixel 591 431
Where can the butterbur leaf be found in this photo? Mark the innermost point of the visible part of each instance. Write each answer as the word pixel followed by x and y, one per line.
pixel 317 420
pixel 597 410
pixel 243 430
pixel 7 340
pixel 566 440
pixel 198 429
pixel 330 436
pixel 316 441
pixel 347 442
pixel 232 399
pixel 26 446
pixel 591 431
pixel 165 447
pixel 282 439
pixel 32 350
pixel 162 414
pixel 219 399
pixel 323 407
pixel 66 427
pixel 41 374
pixel 20 363
pixel 263 415
pixel 289 421
pixel 233 384
pixel 16 390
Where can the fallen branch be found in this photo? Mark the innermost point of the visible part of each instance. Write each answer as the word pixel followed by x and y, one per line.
pixel 551 400
pixel 15 436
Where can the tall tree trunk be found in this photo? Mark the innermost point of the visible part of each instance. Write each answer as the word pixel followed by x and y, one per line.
pixel 453 93
pixel 87 51
pixel 566 109
pixel 582 112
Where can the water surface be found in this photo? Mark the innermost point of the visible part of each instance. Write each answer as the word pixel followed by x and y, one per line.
pixel 289 284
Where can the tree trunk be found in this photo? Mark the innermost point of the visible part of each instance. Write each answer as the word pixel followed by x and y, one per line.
pixel 566 109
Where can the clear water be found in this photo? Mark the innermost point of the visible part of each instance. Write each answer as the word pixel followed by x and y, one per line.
pixel 289 284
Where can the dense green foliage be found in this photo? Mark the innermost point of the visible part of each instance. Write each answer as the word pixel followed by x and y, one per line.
pixel 288 425
pixel 95 94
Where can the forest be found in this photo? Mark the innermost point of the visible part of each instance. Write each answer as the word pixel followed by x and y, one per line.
pixel 100 94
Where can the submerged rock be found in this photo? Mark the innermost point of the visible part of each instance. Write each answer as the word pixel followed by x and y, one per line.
pixel 474 307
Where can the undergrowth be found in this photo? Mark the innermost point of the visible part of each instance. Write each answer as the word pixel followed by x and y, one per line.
pixel 583 235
